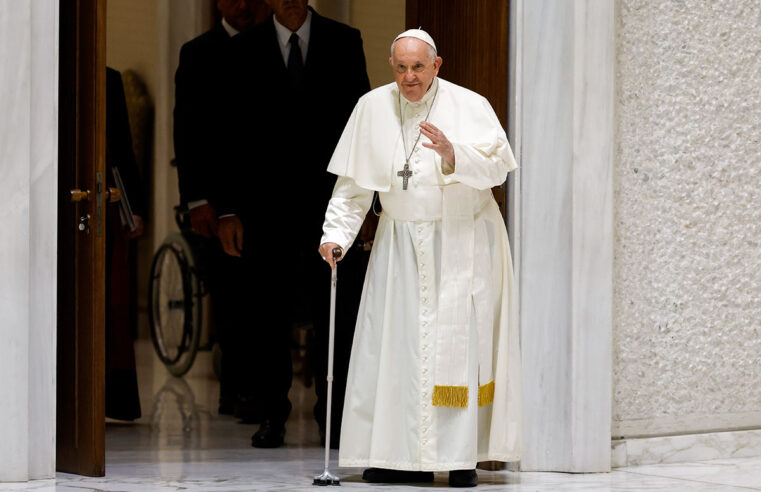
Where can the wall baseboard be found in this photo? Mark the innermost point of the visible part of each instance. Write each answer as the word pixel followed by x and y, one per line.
pixel 685 448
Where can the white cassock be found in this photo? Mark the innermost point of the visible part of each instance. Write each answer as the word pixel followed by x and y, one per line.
pixel 408 343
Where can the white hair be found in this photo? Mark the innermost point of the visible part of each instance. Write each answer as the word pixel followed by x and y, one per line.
pixel 431 49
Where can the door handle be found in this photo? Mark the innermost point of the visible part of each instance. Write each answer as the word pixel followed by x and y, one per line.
pixel 78 195
pixel 113 195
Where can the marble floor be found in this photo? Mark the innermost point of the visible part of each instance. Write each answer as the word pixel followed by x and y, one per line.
pixel 181 443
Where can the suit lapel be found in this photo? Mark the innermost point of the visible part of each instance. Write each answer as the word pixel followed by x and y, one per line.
pixel 219 33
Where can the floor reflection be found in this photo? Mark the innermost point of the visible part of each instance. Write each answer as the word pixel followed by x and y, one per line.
pixel 175 397
pixel 182 443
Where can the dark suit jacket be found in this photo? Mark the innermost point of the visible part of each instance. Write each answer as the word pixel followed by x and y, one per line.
pixel 279 140
pixel 195 112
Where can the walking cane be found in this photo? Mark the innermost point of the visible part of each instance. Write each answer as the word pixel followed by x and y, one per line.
pixel 328 478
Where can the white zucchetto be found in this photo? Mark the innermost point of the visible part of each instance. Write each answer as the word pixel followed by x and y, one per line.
pixel 419 34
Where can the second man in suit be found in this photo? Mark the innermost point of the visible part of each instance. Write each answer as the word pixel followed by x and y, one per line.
pixel 293 81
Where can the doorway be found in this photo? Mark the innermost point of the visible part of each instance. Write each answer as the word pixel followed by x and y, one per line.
pixel 145 37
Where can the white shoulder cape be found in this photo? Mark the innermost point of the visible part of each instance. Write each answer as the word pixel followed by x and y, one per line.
pixel 371 143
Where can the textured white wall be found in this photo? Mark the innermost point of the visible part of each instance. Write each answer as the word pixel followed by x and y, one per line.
pixel 687 276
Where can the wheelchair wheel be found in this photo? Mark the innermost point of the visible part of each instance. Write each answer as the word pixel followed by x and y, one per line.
pixel 176 308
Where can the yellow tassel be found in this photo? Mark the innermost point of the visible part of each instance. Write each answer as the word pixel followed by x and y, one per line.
pixel 450 396
pixel 486 394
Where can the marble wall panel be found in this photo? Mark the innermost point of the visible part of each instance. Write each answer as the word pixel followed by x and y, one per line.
pixel 592 235
pixel 43 188
pixel 564 132
pixel 546 160
pixel 28 191
pixel 687 337
pixel 15 56
pixel 686 448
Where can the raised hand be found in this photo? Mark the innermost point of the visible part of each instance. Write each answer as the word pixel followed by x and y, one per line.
pixel 439 142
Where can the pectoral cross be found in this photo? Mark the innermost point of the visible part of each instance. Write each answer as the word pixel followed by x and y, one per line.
pixel 405 175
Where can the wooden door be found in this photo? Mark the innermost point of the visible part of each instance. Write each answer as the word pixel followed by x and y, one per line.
pixel 80 433
pixel 471 36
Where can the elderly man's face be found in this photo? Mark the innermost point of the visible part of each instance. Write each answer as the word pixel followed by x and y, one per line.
pixel 242 14
pixel 414 67
pixel 290 13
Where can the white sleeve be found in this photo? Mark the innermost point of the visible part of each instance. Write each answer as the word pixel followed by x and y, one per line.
pixel 485 163
pixel 346 212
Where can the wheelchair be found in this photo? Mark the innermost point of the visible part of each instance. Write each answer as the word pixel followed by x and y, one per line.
pixel 178 299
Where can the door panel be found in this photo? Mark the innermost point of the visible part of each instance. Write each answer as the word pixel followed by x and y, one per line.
pixel 471 36
pixel 81 243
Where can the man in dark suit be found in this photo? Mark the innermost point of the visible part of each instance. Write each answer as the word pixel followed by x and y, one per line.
pixel 197 154
pixel 300 74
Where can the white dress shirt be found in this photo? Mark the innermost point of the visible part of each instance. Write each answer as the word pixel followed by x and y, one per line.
pixel 284 36
pixel 231 31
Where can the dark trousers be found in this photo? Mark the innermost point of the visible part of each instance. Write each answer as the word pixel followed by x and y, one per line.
pixel 226 285
pixel 351 276
pixel 261 345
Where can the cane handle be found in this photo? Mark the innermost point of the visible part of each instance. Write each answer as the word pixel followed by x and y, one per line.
pixel 337 252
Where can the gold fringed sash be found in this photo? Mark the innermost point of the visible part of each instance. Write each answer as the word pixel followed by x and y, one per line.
pixel 457 396
pixel 486 394
pixel 450 396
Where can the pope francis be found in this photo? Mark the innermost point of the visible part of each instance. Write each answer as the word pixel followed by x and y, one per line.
pixel 434 377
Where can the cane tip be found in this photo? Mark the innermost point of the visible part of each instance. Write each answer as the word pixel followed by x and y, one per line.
pixel 337 252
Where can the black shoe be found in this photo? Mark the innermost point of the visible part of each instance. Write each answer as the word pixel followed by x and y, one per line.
pixel 463 478
pixel 383 475
pixel 269 435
